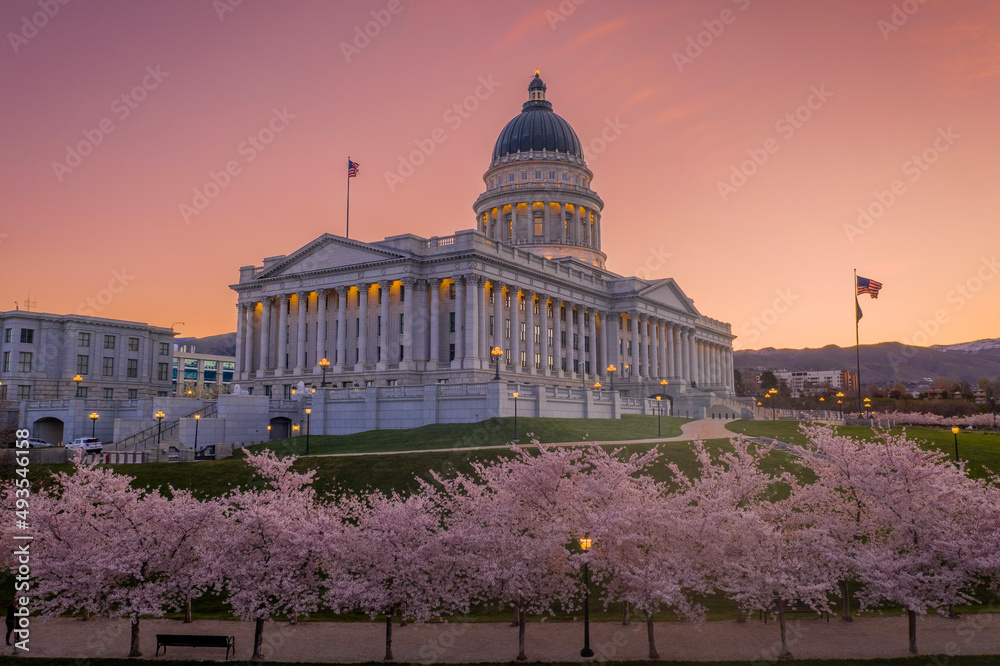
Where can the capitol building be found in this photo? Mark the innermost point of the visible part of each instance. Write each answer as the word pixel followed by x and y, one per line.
pixel 528 280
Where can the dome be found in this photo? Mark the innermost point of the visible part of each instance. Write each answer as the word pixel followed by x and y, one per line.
pixel 537 128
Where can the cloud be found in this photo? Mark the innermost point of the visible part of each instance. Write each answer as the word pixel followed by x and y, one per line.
pixel 598 31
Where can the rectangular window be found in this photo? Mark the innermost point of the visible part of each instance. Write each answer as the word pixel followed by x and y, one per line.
pixel 24 393
pixel 507 329
pixel 451 291
pixel 506 356
pixel 562 313
pixel 109 342
pixel 451 352
pixel 520 304
pixel 163 372
pixel 576 342
pixel 133 394
pixel 524 175
pixel 575 320
pixel 6 361
pixel 629 347
pixel 451 322
pixel 510 178
pixel 6 334
pixel 552 362
pixel 380 294
pixel 267 391
pixel 81 391
pixel 133 344
pixel 562 339
pixel 132 371
pixel 493 324
pixel 506 300
pixel 401 323
pixel 550 337
pixel 521 334
pixel 562 364
pixel 108 366
pixel 538 333
pixel 83 365
pixel 576 365
pixel 164 348
pixel 27 336
pixel 83 339
pixel 378 325
pixel 552 175
pixel 24 362
pixel 400 352
pixel 287 392
pixel 538 361
pixel 536 306
pixel 493 295
pixel 565 177
pixel 586 319
pixel 538 175
pixel 538 227
pixel 524 359
pixel 109 394
pixel 629 324
pixel 586 344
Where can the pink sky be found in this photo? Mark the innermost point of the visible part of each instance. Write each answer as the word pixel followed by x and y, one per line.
pixel 773 256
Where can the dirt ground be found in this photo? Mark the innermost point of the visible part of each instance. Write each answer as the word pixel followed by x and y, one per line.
pixel 346 642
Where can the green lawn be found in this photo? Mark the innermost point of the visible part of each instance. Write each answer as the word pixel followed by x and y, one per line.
pixel 491 432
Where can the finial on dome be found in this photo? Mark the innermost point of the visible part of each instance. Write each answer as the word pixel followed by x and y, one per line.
pixel 536 89
pixel 538 72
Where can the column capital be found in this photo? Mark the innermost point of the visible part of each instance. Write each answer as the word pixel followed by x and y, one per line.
pixel 321 291
pixel 409 282
pixel 283 298
pixel 472 278
pixel 634 314
pixel 384 284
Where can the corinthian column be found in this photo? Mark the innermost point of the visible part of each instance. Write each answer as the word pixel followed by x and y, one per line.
pixel 385 289
pixel 265 335
pixel 435 324
pixel 320 327
pixel 473 285
pixel 342 293
pixel 362 363
pixel 300 347
pixel 241 318
pixel 409 324
pixel 282 360
pixel 529 329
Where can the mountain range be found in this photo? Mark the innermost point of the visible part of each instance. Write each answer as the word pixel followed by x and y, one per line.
pixel 880 363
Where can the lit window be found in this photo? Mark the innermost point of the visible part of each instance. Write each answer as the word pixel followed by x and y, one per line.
pixel 538 228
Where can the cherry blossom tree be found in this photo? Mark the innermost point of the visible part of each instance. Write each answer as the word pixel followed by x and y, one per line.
pixel 920 532
pixel 268 550
pixel 390 557
pixel 105 546
pixel 764 553
pixel 515 521
pixel 644 548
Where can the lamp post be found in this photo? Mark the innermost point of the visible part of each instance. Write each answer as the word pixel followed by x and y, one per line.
pixel 868 407
pixel 611 373
pixel 840 401
pixel 954 431
pixel 515 417
pixel 197 420
pixel 586 652
pixel 323 363
pixel 659 398
pixel 308 412
pixel 93 420
pixel 159 425
pixel 495 354
pixel 760 404
pixel 78 380
pixel 597 386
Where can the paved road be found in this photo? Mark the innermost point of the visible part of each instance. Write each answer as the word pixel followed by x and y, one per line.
pixel 492 642
pixel 692 430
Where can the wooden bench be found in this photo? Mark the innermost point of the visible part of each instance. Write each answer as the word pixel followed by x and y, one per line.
pixel 192 640
pixel 796 606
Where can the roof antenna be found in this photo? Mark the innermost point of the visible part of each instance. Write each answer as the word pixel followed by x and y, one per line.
pixel 28 303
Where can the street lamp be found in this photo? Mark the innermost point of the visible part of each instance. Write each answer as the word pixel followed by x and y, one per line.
pixel 954 431
pixel 159 425
pixel 93 420
pixel 611 373
pixel 515 417
pixel 868 406
pixel 308 412
pixel 197 420
pixel 597 386
pixel 586 652
pixel 78 379
pixel 495 354
pixel 323 363
pixel 772 394
pixel 659 410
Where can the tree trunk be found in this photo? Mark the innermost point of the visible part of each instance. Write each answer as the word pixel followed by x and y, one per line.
pixel 134 647
pixel 653 654
pixel 86 614
pixel 785 654
pixel 741 617
pixel 521 656
pixel 258 640
pixel 187 610
pixel 514 622
pixel 846 592
pixel 626 620
pixel 294 619
pixel 913 631
pixel 951 612
pixel 388 636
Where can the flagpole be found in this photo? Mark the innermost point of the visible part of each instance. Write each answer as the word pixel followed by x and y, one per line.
pixel 857 339
pixel 348 232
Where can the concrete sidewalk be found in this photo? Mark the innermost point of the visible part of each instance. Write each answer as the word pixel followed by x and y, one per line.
pixel 347 642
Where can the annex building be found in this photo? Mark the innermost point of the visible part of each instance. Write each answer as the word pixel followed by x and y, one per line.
pixel 528 280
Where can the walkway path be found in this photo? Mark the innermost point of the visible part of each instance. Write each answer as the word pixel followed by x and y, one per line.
pixel 692 430
pixel 347 642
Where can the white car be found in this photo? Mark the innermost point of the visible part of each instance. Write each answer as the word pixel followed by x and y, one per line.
pixel 35 443
pixel 86 444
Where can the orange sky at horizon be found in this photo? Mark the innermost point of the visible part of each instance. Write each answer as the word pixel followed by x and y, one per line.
pixel 735 144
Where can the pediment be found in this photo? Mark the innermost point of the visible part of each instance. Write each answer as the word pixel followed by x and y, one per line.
pixel 330 253
pixel 666 292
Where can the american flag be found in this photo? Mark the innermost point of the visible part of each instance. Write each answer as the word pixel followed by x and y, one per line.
pixel 352 168
pixel 866 286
